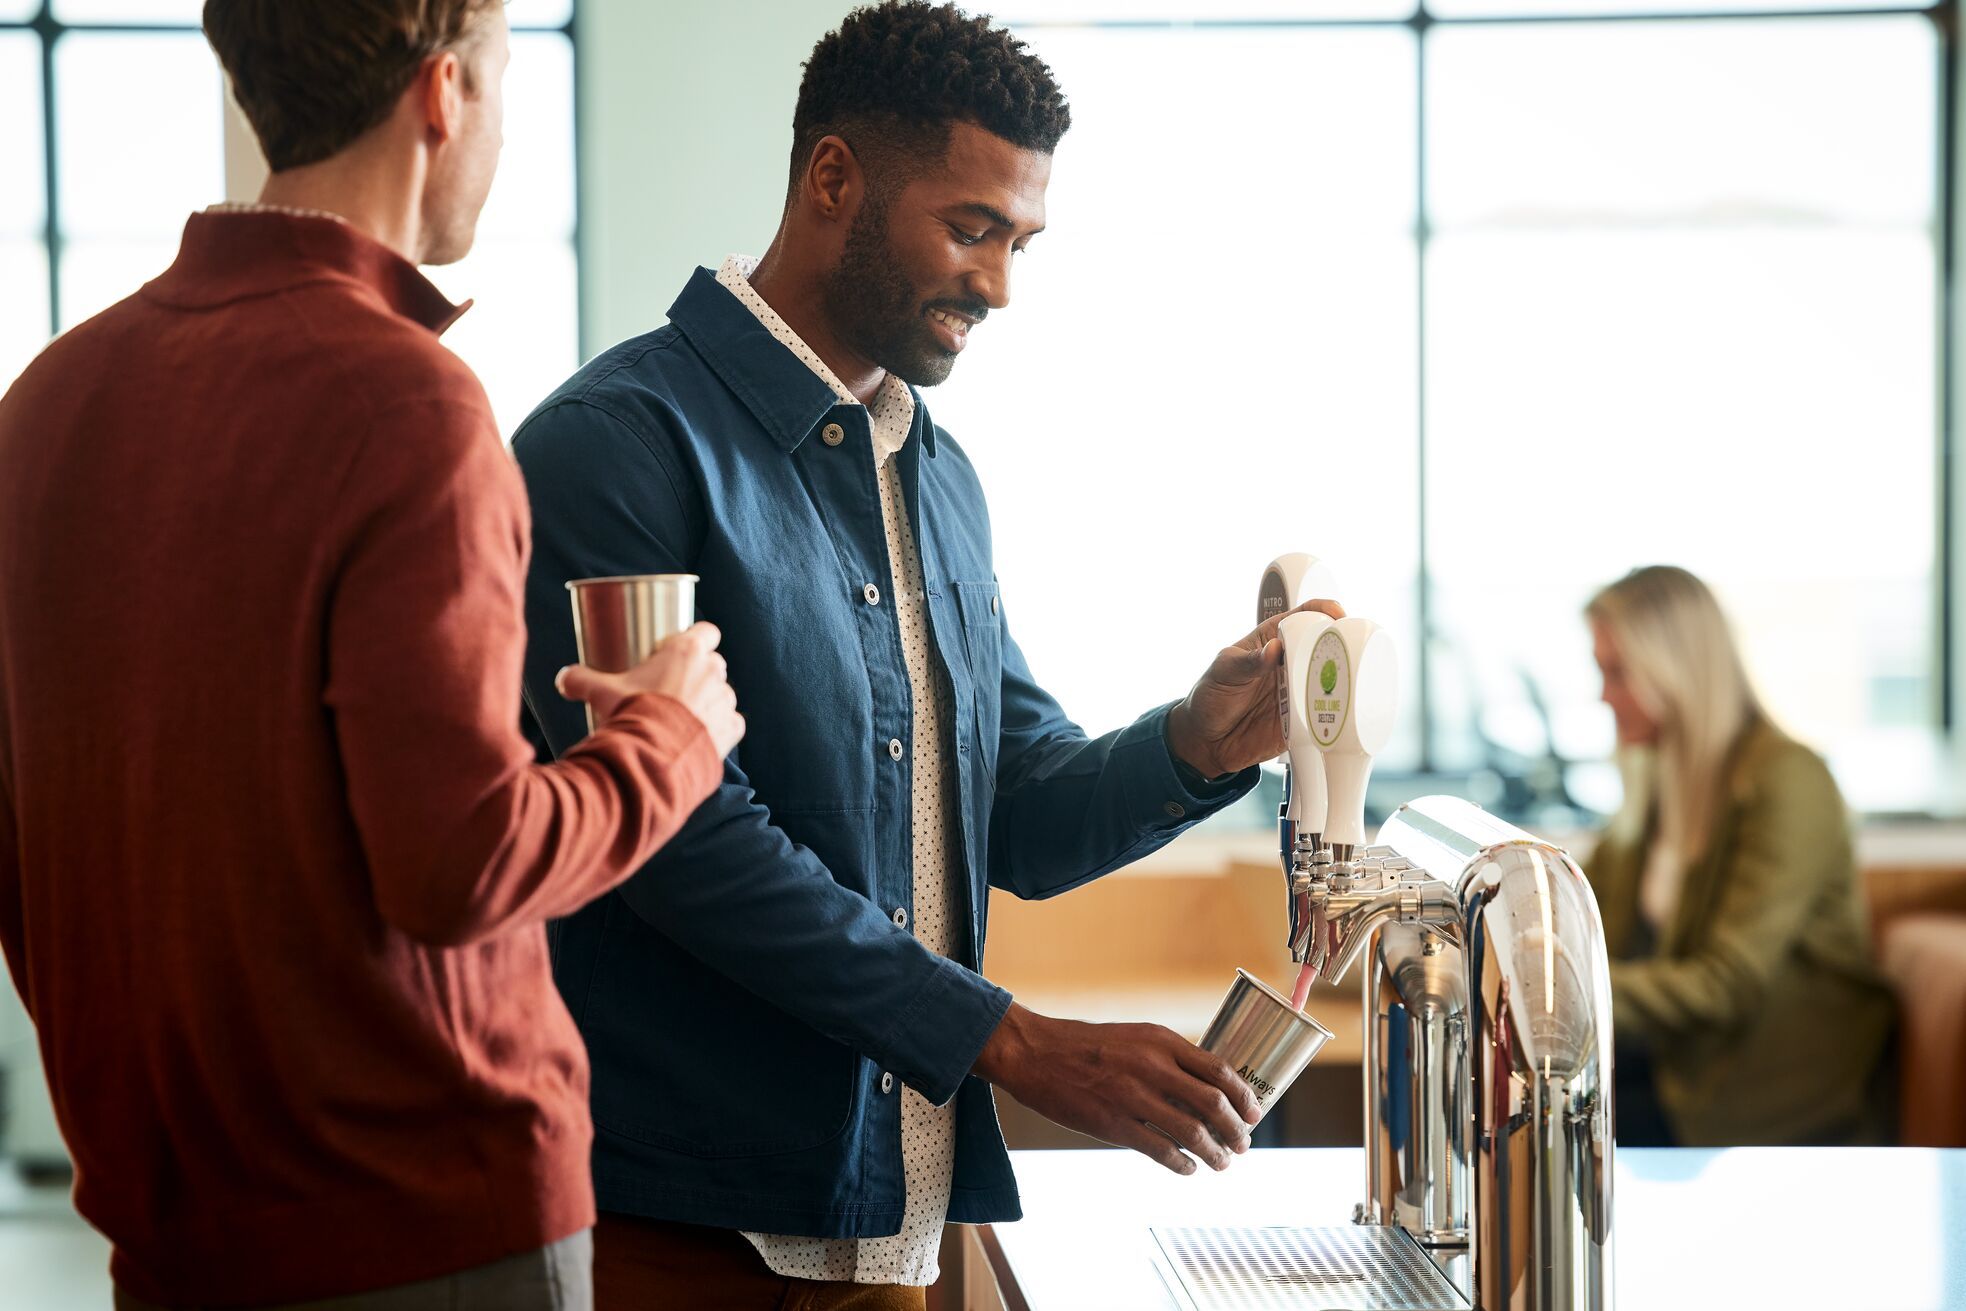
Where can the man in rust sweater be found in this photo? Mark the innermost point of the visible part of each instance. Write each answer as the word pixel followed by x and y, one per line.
pixel 274 857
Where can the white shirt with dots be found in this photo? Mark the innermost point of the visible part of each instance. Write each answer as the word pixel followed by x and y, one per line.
pixel 928 1132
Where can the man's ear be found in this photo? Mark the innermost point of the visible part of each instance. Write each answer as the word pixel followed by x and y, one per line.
pixel 833 182
pixel 440 87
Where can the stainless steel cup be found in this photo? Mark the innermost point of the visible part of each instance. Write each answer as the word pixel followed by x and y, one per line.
pixel 1263 1037
pixel 618 622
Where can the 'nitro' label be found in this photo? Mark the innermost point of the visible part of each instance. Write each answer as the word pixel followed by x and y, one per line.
pixel 1273 598
pixel 1329 694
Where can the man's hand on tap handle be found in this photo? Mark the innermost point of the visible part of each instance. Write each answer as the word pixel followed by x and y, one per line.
pixel 1132 1085
pixel 1229 720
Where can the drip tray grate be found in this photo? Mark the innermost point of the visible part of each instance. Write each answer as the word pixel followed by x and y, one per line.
pixel 1334 1268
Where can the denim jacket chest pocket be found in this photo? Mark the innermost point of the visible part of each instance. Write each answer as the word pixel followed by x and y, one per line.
pixel 981 607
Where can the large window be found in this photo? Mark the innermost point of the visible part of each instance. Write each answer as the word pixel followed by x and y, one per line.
pixel 1487 303
pixel 112 131
pixel 522 335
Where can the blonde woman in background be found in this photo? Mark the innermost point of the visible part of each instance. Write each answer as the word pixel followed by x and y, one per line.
pixel 1746 1008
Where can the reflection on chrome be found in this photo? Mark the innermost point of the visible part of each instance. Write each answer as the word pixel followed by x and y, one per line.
pixel 1487 1047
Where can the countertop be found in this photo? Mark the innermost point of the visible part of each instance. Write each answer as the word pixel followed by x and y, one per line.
pixel 1797 1228
pixel 1880 843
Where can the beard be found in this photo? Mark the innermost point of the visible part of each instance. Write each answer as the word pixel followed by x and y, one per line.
pixel 875 308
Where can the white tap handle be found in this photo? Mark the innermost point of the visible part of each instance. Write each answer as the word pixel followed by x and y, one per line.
pixel 1292 580
pixel 1300 633
pixel 1352 688
pixel 1288 582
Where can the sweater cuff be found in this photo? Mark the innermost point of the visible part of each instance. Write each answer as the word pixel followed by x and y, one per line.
pixel 677 736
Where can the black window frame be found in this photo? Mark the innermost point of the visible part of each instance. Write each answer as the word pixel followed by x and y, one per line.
pixel 43 24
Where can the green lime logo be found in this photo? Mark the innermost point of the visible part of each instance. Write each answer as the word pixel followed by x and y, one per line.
pixel 1327 677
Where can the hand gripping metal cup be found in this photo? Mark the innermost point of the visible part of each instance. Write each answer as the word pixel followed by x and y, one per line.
pixel 618 622
pixel 1263 1037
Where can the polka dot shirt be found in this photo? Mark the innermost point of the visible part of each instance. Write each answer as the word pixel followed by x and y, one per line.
pixel 928 1133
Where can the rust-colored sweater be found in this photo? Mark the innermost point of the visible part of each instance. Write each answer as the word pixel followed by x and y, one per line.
pixel 275 859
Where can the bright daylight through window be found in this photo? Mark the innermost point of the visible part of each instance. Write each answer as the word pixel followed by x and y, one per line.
pixel 124 181
pixel 1486 307
pixel 1513 306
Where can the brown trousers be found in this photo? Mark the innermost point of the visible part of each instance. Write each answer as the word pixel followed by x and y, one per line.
pixel 656 1265
pixel 550 1278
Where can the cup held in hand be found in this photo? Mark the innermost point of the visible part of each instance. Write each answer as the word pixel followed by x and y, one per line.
pixel 1263 1037
pixel 619 622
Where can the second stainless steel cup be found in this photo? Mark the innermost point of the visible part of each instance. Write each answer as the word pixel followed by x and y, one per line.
pixel 618 622
pixel 1263 1037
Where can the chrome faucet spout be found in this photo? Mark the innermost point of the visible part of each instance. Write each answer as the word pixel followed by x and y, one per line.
pixel 1339 901
pixel 1487 1061
pixel 1303 916
pixel 1305 871
pixel 1355 917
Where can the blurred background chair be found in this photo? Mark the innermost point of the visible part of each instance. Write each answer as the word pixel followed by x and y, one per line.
pixel 1918 926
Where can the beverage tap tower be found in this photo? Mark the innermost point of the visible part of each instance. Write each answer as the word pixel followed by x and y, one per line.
pixel 1486 1018
pixel 1290 581
pixel 1306 804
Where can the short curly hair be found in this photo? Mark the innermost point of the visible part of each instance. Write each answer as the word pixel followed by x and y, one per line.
pixel 896 75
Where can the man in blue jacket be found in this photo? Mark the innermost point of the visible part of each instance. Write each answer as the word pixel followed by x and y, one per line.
pixel 792 1046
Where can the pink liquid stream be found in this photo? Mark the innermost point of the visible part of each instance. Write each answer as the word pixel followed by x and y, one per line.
pixel 1301 993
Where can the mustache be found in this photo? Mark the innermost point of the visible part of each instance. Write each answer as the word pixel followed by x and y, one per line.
pixel 971 309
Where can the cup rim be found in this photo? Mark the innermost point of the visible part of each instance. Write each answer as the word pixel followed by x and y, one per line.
pixel 1284 1002
pixel 576 583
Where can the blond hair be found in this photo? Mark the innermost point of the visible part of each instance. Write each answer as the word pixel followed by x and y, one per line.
pixel 1686 671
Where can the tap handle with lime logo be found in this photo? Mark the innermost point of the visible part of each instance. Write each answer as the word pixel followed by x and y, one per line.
pixel 1305 809
pixel 1351 686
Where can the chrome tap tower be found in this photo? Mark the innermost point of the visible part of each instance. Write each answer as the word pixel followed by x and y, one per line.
pixel 1486 995
pixel 1487 1055
pixel 1487 1020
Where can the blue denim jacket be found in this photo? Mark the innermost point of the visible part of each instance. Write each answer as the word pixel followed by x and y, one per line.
pixel 746 996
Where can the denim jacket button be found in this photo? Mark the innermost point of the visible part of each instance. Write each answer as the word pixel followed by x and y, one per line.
pixel 1175 809
pixel 894 748
pixel 887 1082
pixel 872 593
pixel 994 603
pixel 832 434
pixel 901 917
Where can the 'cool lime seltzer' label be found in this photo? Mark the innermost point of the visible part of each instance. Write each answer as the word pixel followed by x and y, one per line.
pixel 1330 691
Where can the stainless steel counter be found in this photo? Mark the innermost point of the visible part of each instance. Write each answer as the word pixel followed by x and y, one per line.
pixel 1795 1228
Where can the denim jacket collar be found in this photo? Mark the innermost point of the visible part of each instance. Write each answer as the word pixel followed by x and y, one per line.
pixel 790 400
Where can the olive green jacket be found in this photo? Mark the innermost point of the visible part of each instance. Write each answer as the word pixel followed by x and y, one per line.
pixel 1758 1003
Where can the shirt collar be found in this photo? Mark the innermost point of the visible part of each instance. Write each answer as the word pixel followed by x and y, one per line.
pixel 233 252
pixel 892 412
pixel 786 396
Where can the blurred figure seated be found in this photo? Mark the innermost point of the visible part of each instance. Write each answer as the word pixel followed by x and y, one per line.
pixel 1745 1004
